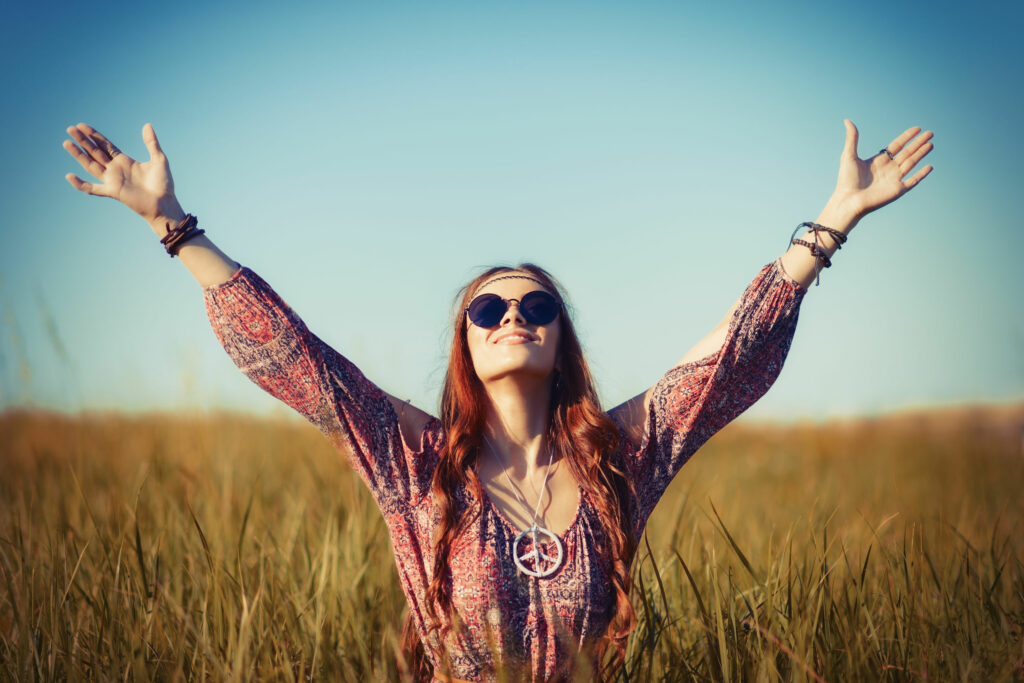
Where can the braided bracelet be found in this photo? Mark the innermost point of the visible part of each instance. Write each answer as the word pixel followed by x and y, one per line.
pixel 817 249
pixel 839 237
pixel 816 252
pixel 185 230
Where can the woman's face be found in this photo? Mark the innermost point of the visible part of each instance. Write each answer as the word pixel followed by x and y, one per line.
pixel 513 346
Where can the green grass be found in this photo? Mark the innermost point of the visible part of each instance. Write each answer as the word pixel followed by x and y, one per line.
pixel 220 547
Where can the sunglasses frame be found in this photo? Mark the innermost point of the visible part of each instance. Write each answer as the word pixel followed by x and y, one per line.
pixel 519 305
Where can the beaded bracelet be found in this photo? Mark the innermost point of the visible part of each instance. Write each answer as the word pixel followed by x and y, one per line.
pixel 185 230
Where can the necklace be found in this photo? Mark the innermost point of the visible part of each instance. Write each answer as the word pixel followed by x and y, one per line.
pixel 535 540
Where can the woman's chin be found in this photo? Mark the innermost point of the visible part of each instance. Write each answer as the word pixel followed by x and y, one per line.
pixel 525 373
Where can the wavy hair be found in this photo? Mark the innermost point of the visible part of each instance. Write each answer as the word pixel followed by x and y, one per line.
pixel 578 431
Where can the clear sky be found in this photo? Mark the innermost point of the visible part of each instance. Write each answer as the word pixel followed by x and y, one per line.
pixel 368 158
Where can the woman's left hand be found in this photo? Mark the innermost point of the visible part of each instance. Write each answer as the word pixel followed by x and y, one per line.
pixel 868 184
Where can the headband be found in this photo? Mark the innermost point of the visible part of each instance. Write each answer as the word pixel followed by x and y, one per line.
pixel 514 277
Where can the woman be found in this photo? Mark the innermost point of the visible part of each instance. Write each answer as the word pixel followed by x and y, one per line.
pixel 515 516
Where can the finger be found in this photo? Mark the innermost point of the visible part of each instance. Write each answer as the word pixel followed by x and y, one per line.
pixel 852 135
pixel 82 158
pixel 101 141
pixel 88 144
pixel 83 186
pixel 900 140
pixel 152 144
pixel 917 177
pixel 908 164
pixel 94 134
pixel 913 146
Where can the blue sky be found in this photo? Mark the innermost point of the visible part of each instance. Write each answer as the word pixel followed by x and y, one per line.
pixel 367 160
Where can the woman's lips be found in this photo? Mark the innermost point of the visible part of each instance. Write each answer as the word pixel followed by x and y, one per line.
pixel 515 338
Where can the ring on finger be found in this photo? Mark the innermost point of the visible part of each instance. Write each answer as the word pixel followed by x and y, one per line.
pixel 111 150
pixel 885 150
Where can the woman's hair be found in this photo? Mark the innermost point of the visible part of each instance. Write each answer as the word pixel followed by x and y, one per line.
pixel 578 431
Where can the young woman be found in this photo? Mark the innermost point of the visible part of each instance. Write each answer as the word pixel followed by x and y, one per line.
pixel 515 515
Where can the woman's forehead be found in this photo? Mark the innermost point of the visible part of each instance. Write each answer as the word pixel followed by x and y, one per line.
pixel 512 281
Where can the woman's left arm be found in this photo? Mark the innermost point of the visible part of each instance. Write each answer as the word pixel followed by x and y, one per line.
pixel 864 185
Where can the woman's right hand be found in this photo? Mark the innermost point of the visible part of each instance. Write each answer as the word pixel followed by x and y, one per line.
pixel 144 187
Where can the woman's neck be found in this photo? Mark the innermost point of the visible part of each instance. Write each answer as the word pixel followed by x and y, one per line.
pixel 517 421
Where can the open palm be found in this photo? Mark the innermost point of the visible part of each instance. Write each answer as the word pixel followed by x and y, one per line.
pixel 144 187
pixel 869 184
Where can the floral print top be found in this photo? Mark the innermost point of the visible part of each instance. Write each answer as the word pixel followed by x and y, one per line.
pixel 535 625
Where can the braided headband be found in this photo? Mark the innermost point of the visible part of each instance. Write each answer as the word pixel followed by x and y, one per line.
pixel 511 277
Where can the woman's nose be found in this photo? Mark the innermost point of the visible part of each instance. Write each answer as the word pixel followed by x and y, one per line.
pixel 511 316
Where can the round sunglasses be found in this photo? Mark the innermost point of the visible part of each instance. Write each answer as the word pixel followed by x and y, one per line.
pixel 537 307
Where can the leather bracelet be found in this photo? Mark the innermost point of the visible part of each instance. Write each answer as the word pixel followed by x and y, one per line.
pixel 185 230
pixel 173 249
pixel 817 249
pixel 839 237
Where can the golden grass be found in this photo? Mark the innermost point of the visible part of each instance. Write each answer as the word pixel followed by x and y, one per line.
pixel 223 547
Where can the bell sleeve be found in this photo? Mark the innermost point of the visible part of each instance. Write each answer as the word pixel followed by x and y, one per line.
pixel 273 347
pixel 694 400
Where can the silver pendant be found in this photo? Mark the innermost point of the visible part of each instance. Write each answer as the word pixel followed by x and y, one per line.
pixel 539 539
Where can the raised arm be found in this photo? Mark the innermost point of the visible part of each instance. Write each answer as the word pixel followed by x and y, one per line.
pixel 147 188
pixel 692 401
pixel 273 347
pixel 863 186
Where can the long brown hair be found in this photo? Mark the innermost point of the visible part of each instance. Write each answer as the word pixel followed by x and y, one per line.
pixel 578 431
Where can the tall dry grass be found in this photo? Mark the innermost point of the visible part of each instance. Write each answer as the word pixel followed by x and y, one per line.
pixel 173 547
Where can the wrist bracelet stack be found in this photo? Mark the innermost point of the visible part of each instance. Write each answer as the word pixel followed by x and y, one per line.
pixel 817 249
pixel 185 230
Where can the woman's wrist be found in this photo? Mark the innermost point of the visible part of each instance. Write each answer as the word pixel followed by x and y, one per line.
pixel 168 214
pixel 840 213
pixel 803 263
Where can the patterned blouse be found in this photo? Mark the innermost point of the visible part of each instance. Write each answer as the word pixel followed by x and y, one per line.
pixel 533 624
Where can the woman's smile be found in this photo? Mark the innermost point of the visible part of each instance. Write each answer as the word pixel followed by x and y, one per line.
pixel 514 337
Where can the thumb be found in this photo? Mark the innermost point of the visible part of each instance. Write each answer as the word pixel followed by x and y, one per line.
pixel 850 148
pixel 152 144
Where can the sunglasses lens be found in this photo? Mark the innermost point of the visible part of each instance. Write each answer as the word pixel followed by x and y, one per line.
pixel 487 310
pixel 539 308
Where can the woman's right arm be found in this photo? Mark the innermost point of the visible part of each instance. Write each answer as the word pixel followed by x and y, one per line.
pixel 273 347
pixel 147 188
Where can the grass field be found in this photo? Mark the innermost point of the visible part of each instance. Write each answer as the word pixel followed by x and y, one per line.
pixel 222 547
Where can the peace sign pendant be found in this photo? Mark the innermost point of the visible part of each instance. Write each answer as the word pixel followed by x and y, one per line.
pixel 534 559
